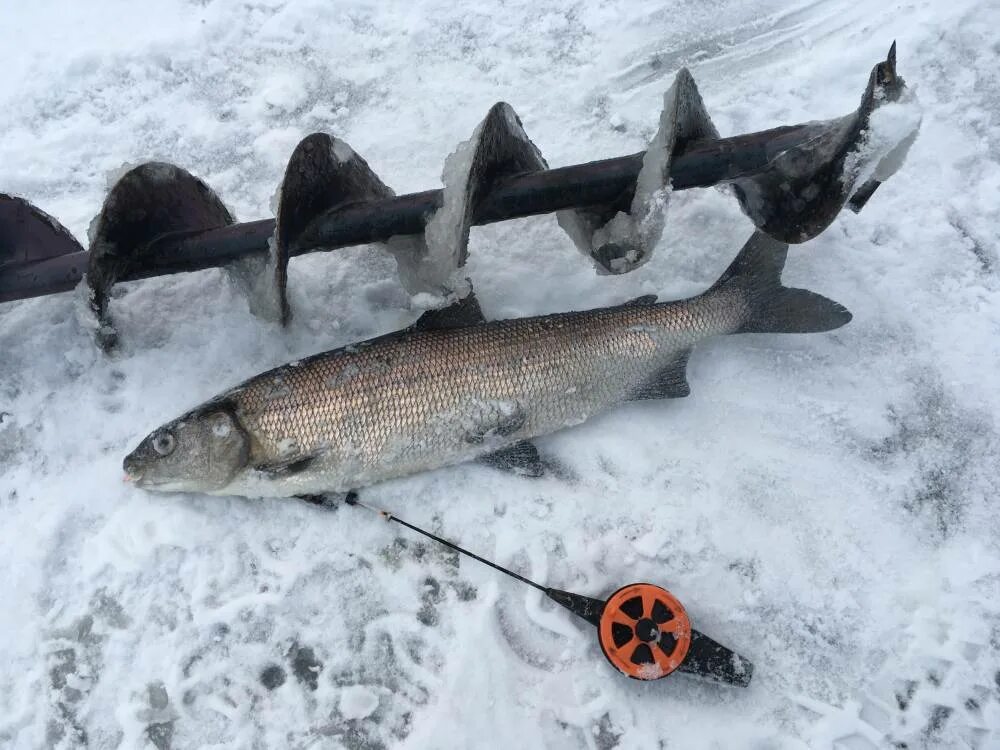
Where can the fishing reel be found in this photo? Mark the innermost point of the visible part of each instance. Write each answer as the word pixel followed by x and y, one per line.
pixel 646 634
pixel 643 629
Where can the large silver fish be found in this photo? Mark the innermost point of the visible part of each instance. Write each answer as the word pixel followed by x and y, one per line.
pixel 430 396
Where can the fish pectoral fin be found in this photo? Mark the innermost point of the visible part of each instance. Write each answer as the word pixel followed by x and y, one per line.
pixel 285 467
pixel 500 422
pixel 521 458
pixel 644 301
pixel 328 500
pixel 325 501
pixel 670 382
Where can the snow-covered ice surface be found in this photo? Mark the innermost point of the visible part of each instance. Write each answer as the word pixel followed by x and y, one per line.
pixel 825 504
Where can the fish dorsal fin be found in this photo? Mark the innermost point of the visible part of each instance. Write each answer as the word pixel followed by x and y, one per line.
pixel 466 312
pixel 521 458
pixel 644 301
pixel 670 382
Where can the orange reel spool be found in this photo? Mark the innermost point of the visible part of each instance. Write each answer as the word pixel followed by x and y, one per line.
pixel 644 631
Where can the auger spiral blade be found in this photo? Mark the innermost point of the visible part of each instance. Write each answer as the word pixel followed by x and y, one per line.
pixel 35 251
pixel 323 174
pixel 620 241
pixel 326 178
pixel 499 148
pixel 148 203
pixel 158 219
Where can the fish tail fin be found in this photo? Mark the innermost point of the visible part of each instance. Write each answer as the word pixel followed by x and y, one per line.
pixel 771 307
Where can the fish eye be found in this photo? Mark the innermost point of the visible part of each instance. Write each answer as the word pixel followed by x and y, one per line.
pixel 164 443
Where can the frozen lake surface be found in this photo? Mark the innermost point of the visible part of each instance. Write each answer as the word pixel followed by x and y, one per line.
pixel 825 504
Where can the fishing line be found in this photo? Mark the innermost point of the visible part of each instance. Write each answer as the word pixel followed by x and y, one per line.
pixel 352 499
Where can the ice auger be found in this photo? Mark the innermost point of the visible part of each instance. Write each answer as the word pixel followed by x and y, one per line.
pixel 160 219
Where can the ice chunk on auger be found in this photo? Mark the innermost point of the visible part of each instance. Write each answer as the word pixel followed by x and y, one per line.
pixel 498 148
pixel 620 241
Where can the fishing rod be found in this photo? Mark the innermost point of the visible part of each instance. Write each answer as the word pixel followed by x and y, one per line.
pixel 643 630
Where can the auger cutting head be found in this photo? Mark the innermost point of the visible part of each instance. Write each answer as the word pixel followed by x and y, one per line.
pixel 159 219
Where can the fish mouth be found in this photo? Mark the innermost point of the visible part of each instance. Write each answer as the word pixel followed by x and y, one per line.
pixel 162 485
pixel 132 473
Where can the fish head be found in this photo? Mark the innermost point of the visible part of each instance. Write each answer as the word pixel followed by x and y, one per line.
pixel 201 451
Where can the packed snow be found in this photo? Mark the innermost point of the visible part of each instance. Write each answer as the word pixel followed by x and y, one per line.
pixel 824 504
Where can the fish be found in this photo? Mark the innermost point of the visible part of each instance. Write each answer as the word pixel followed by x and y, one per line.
pixel 443 392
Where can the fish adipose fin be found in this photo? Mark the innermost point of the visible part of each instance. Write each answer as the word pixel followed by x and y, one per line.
pixel 465 312
pixel 774 308
pixel 521 458
pixel 644 301
pixel 670 382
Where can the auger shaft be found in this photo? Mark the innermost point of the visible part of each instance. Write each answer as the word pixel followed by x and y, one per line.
pixel 596 183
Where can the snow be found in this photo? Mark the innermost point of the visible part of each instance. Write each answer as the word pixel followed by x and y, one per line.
pixel 357 702
pixel 824 504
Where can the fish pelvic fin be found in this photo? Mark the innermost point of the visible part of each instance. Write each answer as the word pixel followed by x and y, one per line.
pixel 520 458
pixel 771 307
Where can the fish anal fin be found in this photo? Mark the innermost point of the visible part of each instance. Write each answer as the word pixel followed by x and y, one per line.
pixel 520 458
pixel 669 382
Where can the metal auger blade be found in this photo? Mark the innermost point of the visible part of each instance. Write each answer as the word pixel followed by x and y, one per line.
pixel 327 181
pixel 36 251
pixel 148 203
